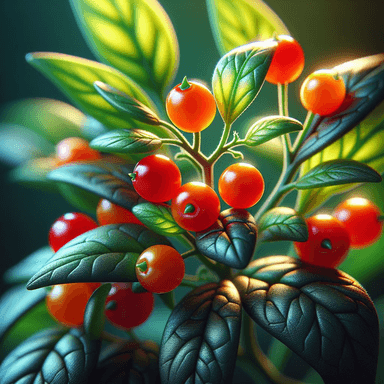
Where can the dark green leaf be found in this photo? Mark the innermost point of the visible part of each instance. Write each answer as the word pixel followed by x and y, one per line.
pixel 104 178
pixel 336 172
pixel 121 101
pixel 127 141
pixel 104 254
pixel 94 316
pixel 200 340
pixel 238 77
pixel 364 81
pixel 231 240
pixel 270 127
pixel 323 315
pixel 158 218
pixel 128 362
pixel 26 268
pixel 282 223
pixel 51 356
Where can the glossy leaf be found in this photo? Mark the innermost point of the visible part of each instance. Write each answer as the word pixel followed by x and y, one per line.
pixel 238 77
pixel 231 240
pixel 26 268
pixel 270 127
pixel 127 141
pixel 75 77
pixel 336 172
pixel 323 315
pixel 104 254
pixel 158 218
pixel 107 179
pixel 51 356
pixel 239 22
pixel 364 82
pixel 134 36
pixel 128 362
pixel 94 315
pixel 200 340
pixel 282 223
pixel 124 103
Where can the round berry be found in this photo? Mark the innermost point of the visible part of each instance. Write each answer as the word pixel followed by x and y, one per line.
pixel 241 185
pixel 327 244
pixel 195 207
pixel 74 149
pixel 109 213
pixel 362 220
pixel 191 106
pixel 160 269
pixel 67 227
pixel 287 63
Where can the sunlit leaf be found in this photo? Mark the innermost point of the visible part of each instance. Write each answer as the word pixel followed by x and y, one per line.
pixel 238 77
pixel 134 36
pixel 239 22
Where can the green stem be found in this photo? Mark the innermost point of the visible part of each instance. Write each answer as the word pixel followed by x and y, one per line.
pixel 196 141
pixel 282 95
pixel 132 335
pixel 191 252
pixel 185 156
pixel 304 133
pixel 220 148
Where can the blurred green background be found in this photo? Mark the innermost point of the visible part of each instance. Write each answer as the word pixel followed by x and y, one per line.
pixel 330 32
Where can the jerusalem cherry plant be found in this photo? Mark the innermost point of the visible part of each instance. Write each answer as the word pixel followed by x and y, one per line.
pixel 175 238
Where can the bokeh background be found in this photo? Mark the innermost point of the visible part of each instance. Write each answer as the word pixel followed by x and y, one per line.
pixel 330 32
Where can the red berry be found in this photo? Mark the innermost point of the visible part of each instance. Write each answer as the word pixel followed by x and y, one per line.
pixel 196 206
pixel 241 185
pixel 67 227
pixel 156 178
pixel 160 269
pixel 128 309
pixel 327 244
pixel 74 149
pixel 109 213
pixel 361 218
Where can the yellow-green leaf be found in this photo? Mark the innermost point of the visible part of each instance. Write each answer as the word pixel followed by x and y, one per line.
pixel 135 36
pixel 362 143
pixel 236 23
pixel 75 77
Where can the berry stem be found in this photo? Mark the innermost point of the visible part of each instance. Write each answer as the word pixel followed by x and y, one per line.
pixel 282 95
pixel 304 133
pixel 185 85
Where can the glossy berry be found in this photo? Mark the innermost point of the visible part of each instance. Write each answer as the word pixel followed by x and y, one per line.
pixel 126 309
pixel 361 218
pixel 327 244
pixel 67 302
pixel 196 206
pixel 287 63
pixel 191 106
pixel 109 213
pixel 67 227
pixel 74 149
pixel 323 92
pixel 156 178
pixel 160 269
pixel 241 185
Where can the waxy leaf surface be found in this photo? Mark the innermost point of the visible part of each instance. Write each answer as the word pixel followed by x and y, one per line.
pixel 323 315
pixel 200 340
pixel 231 240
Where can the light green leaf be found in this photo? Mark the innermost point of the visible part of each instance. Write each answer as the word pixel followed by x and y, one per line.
pixel 362 143
pixel 127 141
pixel 134 36
pixel 270 127
pixel 239 22
pixel 238 77
pixel 158 218
pixel 75 77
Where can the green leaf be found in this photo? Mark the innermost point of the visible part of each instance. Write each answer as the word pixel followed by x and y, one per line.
pixel 336 172
pixel 75 77
pixel 270 127
pixel 94 315
pixel 238 77
pixel 282 223
pixel 127 141
pixel 236 23
pixel 158 218
pixel 104 254
pixel 134 36
pixel 132 107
